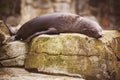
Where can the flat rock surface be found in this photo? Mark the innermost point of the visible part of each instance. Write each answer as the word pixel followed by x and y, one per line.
pixel 22 74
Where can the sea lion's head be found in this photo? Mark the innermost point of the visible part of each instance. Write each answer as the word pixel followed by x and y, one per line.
pixel 90 28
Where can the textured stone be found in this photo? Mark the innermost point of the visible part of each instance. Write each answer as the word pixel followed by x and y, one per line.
pixel 76 54
pixel 3 28
pixel 22 74
pixel 61 7
pixel 4 32
pixel 38 7
pixel 13 54
pixel 67 1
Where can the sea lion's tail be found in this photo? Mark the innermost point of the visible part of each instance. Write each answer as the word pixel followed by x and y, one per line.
pixel 12 34
pixel 12 38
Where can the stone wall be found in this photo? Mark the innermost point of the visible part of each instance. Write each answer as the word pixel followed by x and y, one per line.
pixel 105 11
pixel 33 8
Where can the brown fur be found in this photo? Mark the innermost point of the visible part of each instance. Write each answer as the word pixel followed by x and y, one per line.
pixel 56 23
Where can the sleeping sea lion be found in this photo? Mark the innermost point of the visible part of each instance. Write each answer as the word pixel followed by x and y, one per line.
pixel 55 23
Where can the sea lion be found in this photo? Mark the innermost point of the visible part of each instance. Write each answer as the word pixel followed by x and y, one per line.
pixel 55 23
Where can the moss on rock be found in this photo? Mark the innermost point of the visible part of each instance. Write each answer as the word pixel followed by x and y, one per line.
pixel 76 54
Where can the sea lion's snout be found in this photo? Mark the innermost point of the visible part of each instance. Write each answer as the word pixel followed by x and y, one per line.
pixel 90 28
pixel 99 36
pixel 96 35
pixel 99 33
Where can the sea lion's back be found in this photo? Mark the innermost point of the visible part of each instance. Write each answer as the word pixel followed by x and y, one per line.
pixel 43 22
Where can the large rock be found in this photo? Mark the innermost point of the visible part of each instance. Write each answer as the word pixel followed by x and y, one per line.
pixel 76 54
pixel 13 54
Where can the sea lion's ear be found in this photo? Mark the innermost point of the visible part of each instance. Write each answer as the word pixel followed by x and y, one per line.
pixel 84 29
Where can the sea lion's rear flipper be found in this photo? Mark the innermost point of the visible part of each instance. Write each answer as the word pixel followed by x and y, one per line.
pixel 12 38
pixel 49 31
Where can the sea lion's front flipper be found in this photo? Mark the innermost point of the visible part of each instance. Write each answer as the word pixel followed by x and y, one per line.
pixel 49 31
